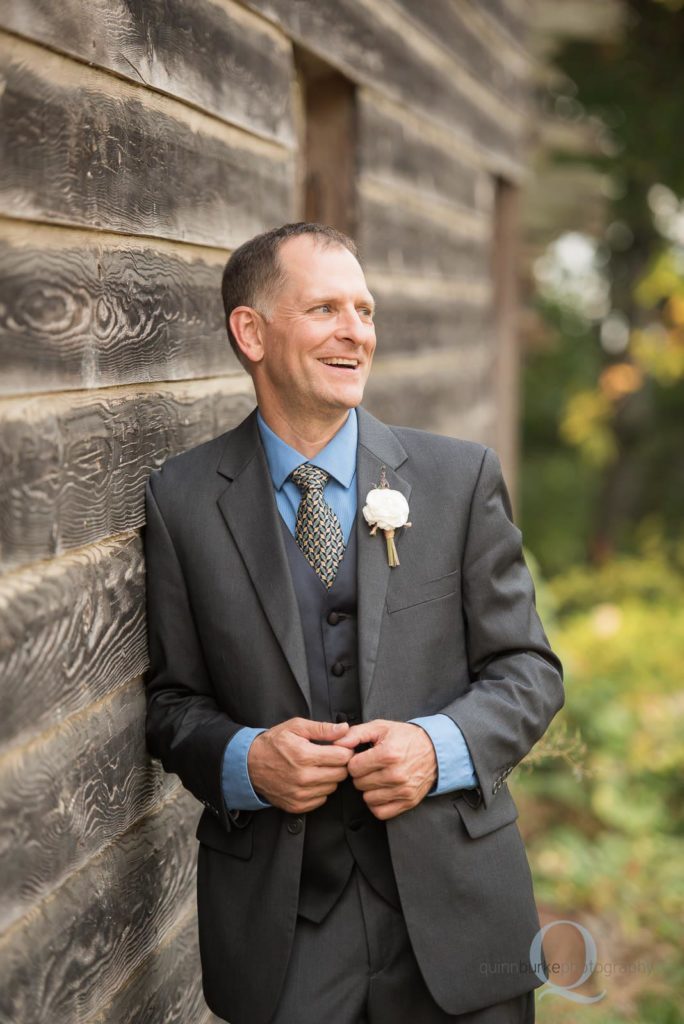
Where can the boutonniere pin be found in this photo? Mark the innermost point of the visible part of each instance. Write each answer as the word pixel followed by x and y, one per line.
pixel 388 511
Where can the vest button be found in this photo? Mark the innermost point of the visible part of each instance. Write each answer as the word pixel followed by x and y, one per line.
pixel 295 826
pixel 338 669
pixel 333 618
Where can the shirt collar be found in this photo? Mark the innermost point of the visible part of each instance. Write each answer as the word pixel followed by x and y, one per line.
pixel 338 458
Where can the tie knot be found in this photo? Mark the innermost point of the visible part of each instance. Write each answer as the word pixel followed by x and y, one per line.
pixel 309 478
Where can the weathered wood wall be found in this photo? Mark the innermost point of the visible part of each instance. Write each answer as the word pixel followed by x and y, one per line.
pixel 140 141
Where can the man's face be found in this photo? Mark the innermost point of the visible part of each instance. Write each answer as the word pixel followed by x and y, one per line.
pixel 323 312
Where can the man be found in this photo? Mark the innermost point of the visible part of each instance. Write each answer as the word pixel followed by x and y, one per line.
pixel 347 723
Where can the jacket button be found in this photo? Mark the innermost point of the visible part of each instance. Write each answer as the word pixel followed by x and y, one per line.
pixel 341 716
pixel 338 669
pixel 295 825
pixel 355 824
pixel 333 618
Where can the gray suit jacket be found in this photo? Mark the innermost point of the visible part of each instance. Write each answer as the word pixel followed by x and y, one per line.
pixel 453 629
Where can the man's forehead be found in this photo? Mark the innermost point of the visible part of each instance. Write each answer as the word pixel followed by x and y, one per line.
pixel 314 270
pixel 308 258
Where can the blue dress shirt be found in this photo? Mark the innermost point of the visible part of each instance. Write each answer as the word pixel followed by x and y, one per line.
pixel 454 765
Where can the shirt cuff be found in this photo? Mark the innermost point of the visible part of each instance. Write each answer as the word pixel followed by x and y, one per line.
pixel 455 768
pixel 235 782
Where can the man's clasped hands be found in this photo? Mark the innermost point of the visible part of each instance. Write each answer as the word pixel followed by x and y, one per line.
pixel 297 764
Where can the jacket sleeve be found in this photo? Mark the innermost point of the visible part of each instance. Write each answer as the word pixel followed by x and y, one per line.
pixel 185 727
pixel 516 679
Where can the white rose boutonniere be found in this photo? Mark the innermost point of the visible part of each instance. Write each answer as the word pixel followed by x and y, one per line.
pixel 388 511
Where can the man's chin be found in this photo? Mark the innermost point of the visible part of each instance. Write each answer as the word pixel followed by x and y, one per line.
pixel 350 399
pixel 350 403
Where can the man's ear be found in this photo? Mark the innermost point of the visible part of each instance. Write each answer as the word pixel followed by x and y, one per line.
pixel 245 323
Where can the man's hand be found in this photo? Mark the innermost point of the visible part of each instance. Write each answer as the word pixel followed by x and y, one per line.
pixel 397 771
pixel 294 773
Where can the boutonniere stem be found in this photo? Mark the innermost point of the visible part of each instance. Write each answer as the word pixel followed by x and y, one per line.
pixel 388 511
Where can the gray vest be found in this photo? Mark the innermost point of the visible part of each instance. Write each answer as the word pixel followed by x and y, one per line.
pixel 342 831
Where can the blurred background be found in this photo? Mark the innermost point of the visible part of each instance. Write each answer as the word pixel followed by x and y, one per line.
pixel 514 173
pixel 601 494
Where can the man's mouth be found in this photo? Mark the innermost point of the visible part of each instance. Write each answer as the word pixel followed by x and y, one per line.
pixel 341 362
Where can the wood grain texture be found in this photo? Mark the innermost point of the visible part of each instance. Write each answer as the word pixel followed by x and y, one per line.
pixel 447 392
pixel 214 55
pixel 74 950
pixel 71 792
pixel 394 238
pixel 80 147
pixel 167 987
pixel 409 324
pixel 399 150
pixel 510 16
pixel 449 25
pixel 329 156
pixel 71 631
pixel 78 312
pixel 375 45
pixel 74 466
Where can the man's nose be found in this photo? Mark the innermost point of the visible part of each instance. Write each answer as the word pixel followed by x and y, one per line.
pixel 354 327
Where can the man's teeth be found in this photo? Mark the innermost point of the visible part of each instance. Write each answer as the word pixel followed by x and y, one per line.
pixel 341 362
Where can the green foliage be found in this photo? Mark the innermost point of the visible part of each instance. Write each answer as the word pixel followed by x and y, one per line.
pixel 602 433
pixel 635 85
pixel 602 497
pixel 558 491
pixel 607 821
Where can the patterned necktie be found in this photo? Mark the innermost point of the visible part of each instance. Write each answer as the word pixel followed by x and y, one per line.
pixel 317 529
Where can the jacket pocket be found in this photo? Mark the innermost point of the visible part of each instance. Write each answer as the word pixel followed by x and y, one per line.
pixel 480 821
pixel 422 592
pixel 238 842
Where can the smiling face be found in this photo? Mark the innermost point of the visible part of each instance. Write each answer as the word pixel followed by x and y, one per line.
pixel 317 344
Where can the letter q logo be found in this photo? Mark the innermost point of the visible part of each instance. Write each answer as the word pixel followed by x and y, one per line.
pixel 566 991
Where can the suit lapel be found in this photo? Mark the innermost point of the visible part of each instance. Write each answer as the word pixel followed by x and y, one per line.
pixel 377 447
pixel 249 508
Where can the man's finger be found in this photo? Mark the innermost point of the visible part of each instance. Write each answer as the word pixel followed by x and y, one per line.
pixel 365 779
pixel 322 731
pixel 313 752
pixel 365 763
pixel 390 810
pixel 365 732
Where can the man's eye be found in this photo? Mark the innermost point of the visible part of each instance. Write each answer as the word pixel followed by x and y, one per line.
pixel 367 312
pixel 325 307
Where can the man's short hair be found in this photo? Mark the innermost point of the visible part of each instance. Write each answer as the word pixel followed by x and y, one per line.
pixel 254 274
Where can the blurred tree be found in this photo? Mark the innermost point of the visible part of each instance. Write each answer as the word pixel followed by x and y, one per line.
pixel 622 401
pixel 602 476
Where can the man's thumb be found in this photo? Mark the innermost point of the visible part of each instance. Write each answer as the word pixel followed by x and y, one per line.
pixel 327 730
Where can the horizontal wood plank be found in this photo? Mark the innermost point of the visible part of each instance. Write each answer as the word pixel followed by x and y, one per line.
pixel 77 311
pixel 79 787
pixel 73 951
pixel 398 149
pixel 393 238
pixel 75 465
pixel 408 324
pixel 71 631
pixel 509 16
pixel 375 45
pixel 448 393
pixel 214 55
pixel 487 59
pixel 80 147
pixel 167 987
